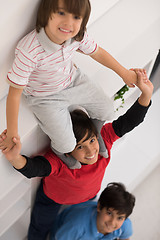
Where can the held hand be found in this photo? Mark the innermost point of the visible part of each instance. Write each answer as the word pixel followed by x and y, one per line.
pixel 146 87
pixel 14 153
pixel 131 78
pixel 6 142
pixel 143 83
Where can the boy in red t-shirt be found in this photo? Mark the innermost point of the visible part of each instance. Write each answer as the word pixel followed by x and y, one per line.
pixel 61 185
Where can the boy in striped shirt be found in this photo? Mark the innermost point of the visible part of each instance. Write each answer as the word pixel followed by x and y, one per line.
pixel 44 71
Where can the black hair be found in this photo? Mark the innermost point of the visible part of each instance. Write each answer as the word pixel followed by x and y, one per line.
pixel 82 125
pixel 115 196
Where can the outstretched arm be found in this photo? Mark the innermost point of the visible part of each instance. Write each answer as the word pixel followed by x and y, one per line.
pixel 103 57
pixel 12 110
pixel 136 114
pixel 37 166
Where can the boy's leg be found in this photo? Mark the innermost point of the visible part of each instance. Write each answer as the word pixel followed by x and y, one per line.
pixel 92 98
pixel 102 148
pixel 53 117
pixel 89 95
pixel 70 161
pixel 43 216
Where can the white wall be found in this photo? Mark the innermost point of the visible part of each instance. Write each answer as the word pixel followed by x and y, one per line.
pixel 130 32
pixel 16 19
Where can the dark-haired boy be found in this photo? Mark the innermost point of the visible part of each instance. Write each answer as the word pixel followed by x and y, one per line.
pixel 61 185
pixel 107 219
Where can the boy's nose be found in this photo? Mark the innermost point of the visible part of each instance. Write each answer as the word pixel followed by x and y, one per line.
pixel 68 20
pixel 113 222
pixel 89 151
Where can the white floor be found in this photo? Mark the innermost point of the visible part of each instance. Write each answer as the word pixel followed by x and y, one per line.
pixel 146 214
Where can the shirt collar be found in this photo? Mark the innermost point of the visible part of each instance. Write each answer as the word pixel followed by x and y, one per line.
pixel 48 45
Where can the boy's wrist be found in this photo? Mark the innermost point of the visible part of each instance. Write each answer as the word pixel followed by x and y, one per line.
pixel 11 135
pixel 144 100
pixel 19 162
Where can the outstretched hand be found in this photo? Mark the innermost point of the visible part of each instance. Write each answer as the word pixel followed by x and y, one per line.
pixel 145 85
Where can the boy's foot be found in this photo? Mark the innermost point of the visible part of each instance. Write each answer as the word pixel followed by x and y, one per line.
pixel 102 147
pixel 70 161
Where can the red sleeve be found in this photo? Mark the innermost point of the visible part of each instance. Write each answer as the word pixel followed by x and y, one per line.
pixel 54 161
pixel 108 134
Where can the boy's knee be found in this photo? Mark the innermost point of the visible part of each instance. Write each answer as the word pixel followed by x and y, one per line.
pixel 64 146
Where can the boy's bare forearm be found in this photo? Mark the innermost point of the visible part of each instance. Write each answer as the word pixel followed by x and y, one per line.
pixel 103 57
pixel 18 162
pixel 12 110
pixel 144 100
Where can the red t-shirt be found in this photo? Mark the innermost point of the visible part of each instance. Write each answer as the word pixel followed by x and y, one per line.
pixel 72 186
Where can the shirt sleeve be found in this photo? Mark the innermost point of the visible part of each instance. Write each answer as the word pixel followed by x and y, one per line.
pixel 37 166
pixel 88 45
pixel 132 118
pixel 22 67
pixel 127 230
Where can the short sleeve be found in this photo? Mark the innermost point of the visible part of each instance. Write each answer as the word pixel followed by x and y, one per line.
pixel 88 45
pixel 22 67
pixel 54 161
pixel 108 134
pixel 127 230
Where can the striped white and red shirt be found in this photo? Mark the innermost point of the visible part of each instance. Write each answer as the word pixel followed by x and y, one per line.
pixel 42 67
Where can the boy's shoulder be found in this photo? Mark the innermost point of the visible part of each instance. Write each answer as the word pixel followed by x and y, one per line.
pixel 81 209
pixel 29 43
pixel 80 214
pixel 126 229
pixel 108 134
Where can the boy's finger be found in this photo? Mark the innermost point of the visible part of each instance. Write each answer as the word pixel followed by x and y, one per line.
pixel 5 150
pixel 5 131
pixel 2 146
pixel 3 136
pixel 131 85
pixel 139 75
pixel 16 139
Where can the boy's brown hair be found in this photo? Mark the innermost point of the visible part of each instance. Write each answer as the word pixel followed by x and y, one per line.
pixel 77 7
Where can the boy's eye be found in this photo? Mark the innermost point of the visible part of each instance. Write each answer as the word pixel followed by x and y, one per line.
pixel 92 140
pixel 77 17
pixel 121 218
pixel 109 213
pixel 79 147
pixel 61 13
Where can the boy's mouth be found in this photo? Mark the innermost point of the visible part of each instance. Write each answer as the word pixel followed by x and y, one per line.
pixel 91 157
pixel 64 30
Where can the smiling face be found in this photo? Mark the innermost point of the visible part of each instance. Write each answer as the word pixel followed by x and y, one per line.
pixel 108 220
pixel 87 151
pixel 62 25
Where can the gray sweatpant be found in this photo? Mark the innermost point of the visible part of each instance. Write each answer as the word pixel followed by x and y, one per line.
pixel 52 112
